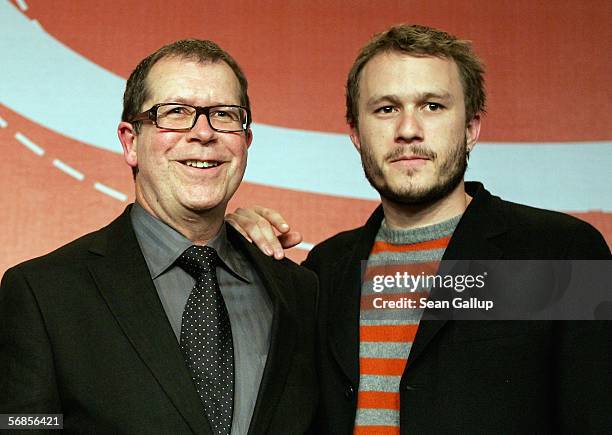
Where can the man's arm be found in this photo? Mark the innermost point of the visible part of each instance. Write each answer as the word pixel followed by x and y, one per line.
pixel 27 380
pixel 584 360
pixel 258 224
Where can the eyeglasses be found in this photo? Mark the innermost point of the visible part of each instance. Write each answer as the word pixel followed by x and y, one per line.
pixel 182 117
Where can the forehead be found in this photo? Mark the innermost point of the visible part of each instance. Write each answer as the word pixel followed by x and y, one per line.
pixel 400 74
pixel 188 81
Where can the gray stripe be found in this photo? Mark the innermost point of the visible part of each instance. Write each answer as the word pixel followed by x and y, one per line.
pixel 417 235
pixel 368 322
pixel 384 350
pixel 387 257
pixel 378 417
pixel 405 316
pixel 386 384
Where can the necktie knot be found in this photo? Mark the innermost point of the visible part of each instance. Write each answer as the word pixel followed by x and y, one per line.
pixel 197 260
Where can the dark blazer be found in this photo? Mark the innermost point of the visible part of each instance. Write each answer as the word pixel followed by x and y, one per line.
pixel 83 333
pixel 472 377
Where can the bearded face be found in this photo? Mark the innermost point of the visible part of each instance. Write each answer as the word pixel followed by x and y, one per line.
pixel 412 132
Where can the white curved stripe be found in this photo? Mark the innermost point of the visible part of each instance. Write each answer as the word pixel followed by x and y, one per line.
pixel 3 123
pixel 55 86
pixel 25 141
pixel 60 89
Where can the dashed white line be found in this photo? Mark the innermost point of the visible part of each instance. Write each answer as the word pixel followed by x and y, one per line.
pixel 110 191
pixel 3 123
pixel 29 144
pixel 22 5
pixel 306 246
pixel 68 170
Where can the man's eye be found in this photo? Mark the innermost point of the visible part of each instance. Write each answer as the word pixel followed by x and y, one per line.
pixel 226 115
pixel 434 107
pixel 385 109
pixel 174 111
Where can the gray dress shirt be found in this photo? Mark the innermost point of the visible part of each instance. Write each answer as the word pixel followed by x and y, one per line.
pixel 248 304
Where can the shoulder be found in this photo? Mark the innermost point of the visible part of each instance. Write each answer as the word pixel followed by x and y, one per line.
pixel 69 259
pixel 70 255
pixel 284 270
pixel 333 249
pixel 288 266
pixel 555 233
pixel 344 239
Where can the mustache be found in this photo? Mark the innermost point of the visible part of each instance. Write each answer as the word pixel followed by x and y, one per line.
pixel 414 150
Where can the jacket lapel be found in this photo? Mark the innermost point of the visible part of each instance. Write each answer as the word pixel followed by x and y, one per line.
pixel 283 332
pixel 124 281
pixel 345 298
pixel 472 240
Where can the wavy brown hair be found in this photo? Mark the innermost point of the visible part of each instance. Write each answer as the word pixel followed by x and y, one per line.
pixel 416 40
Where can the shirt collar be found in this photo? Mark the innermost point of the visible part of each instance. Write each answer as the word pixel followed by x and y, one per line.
pixel 162 245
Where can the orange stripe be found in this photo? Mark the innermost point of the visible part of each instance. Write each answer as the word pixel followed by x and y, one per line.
pixel 376 430
pixel 378 400
pixel 423 246
pixel 388 333
pixel 382 366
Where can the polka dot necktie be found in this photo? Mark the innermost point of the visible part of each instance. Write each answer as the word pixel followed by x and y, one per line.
pixel 206 338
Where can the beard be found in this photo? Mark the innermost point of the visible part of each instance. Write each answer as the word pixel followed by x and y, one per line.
pixel 450 173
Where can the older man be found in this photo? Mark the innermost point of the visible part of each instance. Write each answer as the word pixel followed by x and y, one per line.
pixel 166 320
pixel 415 96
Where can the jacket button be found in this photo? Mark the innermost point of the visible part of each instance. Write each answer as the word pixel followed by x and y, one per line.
pixel 349 392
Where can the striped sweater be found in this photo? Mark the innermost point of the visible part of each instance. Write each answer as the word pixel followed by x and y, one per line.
pixel 386 332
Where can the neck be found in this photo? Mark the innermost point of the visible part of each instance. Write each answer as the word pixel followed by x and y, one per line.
pixel 408 216
pixel 198 227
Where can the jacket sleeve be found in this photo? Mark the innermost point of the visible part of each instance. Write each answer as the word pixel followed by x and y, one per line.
pixel 584 359
pixel 27 380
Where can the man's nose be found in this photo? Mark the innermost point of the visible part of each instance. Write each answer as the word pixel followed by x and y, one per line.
pixel 202 131
pixel 409 127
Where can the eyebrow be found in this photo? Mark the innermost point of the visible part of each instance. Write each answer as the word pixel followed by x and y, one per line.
pixel 377 99
pixel 189 102
pixel 395 99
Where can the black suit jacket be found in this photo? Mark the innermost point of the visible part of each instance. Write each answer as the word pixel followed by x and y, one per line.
pixel 474 377
pixel 83 333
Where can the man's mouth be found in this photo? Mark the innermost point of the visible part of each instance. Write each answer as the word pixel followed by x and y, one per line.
pixel 409 158
pixel 202 163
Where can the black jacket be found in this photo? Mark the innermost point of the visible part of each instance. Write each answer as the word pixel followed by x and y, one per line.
pixel 83 333
pixel 474 377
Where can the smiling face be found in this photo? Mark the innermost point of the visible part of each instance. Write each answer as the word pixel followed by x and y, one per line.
pixel 412 133
pixel 183 175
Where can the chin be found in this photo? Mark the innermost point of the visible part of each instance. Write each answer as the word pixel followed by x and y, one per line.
pixel 201 204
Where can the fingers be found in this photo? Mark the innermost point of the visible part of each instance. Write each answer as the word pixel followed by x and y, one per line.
pixel 273 217
pixel 258 229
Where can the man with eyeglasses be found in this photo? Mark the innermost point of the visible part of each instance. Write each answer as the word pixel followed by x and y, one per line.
pixel 166 320
pixel 415 96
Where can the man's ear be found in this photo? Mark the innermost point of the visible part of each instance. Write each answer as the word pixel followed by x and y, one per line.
pixel 129 139
pixel 249 137
pixel 472 132
pixel 355 137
